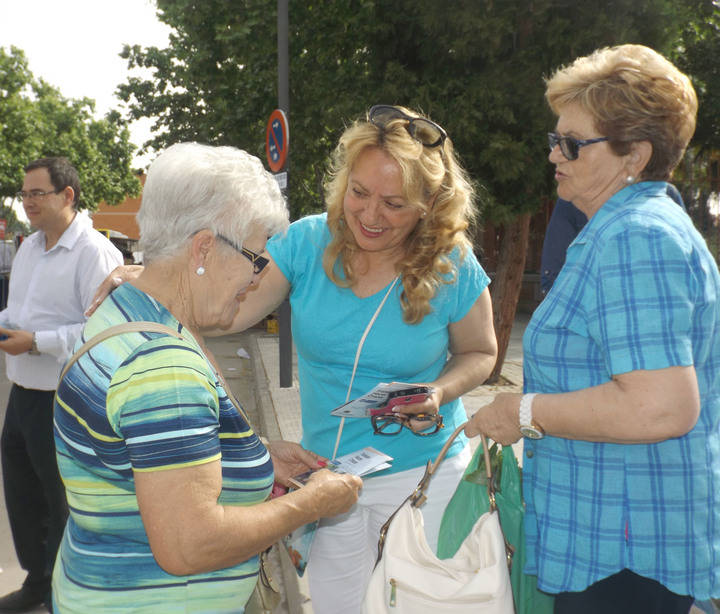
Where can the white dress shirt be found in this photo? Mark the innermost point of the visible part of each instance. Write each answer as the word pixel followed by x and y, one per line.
pixel 49 293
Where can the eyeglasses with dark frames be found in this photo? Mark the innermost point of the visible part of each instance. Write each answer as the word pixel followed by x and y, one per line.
pixel 422 130
pixel 259 262
pixel 34 194
pixel 392 424
pixel 570 146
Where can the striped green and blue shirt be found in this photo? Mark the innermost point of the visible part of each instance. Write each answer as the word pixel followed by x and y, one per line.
pixel 639 291
pixel 144 402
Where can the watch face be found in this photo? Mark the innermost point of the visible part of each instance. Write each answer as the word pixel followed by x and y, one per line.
pixel 531 432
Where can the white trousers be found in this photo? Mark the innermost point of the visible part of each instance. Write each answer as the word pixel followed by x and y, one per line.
pixel 344 549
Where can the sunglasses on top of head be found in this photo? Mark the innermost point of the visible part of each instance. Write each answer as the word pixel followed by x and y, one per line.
pixel 422 130
pixel 570 146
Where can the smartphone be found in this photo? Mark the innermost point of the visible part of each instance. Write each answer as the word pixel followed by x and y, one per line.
pixel 3 337
pixel 407 396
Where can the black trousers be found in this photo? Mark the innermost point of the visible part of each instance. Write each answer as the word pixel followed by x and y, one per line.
pixel 34 494
pixel 623 593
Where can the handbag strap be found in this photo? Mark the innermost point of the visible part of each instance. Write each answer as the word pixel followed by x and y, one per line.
pixel 144 327
pixel 357 358
pixel 118 329
pixel 418 496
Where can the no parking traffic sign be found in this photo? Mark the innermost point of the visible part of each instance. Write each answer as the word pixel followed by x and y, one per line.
pixel 277 140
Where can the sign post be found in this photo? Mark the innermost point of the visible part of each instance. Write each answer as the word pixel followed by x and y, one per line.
pixel 286 351
pixel 277 146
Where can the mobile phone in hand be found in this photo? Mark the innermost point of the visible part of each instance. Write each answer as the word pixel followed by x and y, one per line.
pixel 407 397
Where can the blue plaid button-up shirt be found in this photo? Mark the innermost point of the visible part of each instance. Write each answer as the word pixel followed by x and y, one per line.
pixel 639 290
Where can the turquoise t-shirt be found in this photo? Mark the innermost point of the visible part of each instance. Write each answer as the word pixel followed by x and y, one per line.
pixel 327 325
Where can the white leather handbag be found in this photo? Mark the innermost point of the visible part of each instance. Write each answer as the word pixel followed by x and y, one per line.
pixel 409 579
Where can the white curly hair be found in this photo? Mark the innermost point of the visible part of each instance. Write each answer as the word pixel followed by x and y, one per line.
pixel 190 187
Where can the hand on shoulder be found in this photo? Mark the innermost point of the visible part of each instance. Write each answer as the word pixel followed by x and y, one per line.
pixel 116 277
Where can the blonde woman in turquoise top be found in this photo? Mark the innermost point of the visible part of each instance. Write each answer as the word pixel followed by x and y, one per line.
pixel 167 483
pixel 399 207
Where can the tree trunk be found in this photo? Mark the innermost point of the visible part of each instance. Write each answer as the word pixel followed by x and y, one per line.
pixel 505 287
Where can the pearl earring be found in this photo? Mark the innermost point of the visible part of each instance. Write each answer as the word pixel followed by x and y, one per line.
pixel 200 270
pixel 629 179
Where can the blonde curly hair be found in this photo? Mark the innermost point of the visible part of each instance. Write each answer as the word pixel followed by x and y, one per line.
pixel 433 181
pixel 632 94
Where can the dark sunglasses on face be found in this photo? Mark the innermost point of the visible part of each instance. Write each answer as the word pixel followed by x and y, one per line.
pixel 569 146
pixel 392 424
pixel 422 130
pixel 259 262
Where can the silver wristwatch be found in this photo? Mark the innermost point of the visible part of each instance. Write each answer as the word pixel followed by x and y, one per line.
pixel 527 427
pixel 33 346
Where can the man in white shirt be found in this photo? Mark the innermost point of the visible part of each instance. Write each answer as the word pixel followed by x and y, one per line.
pixel 53 278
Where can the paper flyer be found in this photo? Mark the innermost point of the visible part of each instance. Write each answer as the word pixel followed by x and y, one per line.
pixel 361 462
pixel 382 399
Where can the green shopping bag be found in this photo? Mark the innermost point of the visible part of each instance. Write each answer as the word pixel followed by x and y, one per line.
pixel 470 501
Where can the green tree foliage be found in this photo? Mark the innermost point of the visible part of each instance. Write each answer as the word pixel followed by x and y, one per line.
pixel 216 83
pixel 482 64
pixel 37 121
pixel 476 66
pixel 698 54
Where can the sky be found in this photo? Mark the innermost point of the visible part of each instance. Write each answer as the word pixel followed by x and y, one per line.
pixel 74 46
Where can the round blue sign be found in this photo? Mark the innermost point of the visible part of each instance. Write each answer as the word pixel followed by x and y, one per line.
pixel 277 140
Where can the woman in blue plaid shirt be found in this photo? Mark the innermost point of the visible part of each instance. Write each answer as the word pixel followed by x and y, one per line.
pixel 621 408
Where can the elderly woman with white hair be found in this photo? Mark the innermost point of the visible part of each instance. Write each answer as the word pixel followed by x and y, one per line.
pixel 166 481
